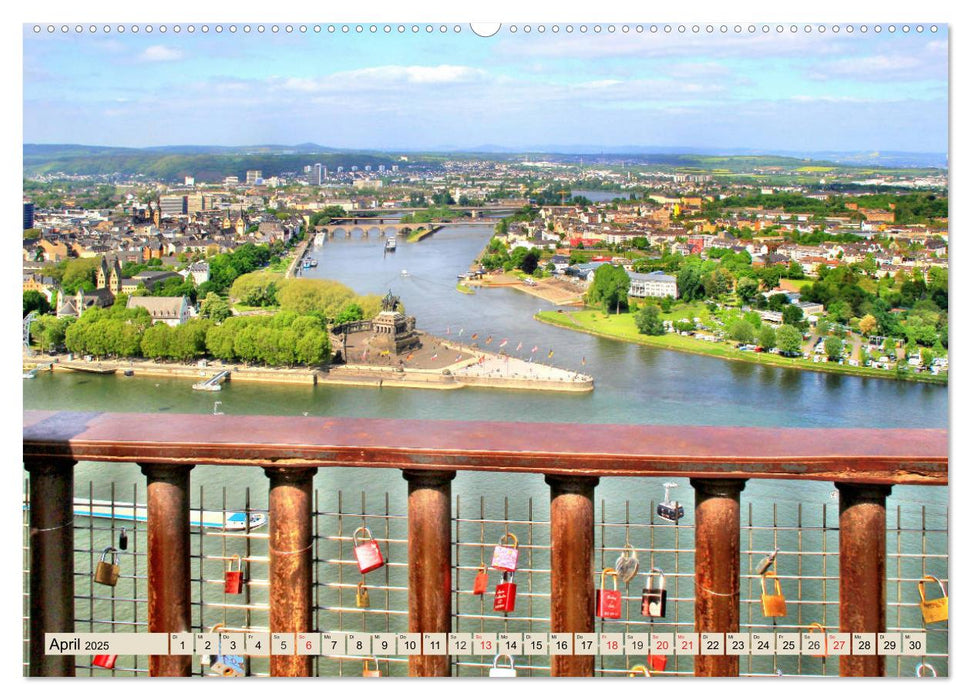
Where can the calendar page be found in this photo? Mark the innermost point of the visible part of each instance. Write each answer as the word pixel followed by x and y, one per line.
pixel 368 346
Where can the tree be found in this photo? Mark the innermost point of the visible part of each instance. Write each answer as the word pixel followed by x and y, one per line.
pixel 666 303
pixel 867 325
pixel 256 288
pixel 741 330
pixel 351 312
pixel 890 348
pixel 609 288
pixel 648 320
pixel 215 307
pixel 81 272
pixel 777 302
pixel 525 259
pixel 833 347
pixel 35 301
pixel 684 325
pixel 747 288
pixel 789 340
pixel 795 271
pixel 767 337
pixel 792 315
pixel 689 283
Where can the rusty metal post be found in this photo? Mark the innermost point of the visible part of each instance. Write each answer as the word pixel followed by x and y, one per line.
pixel 863 569
pixel 169 596
pixel 717 554
pixel 51 561
pixel 571 565
pixel 429 563
pixel 291 561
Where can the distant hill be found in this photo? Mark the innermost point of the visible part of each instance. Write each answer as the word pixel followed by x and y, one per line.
pixel 205 163
pixel 213 163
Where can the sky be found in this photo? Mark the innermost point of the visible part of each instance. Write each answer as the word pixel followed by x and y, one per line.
pixel 769 91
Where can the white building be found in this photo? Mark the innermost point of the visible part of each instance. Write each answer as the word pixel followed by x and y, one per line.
pixel 199 272
pixel 653 284
pixel 173 311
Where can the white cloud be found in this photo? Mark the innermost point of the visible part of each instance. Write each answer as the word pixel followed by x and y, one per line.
pixel 161 53
pixel 383 77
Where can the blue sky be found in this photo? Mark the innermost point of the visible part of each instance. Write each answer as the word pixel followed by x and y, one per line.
pixel 385 91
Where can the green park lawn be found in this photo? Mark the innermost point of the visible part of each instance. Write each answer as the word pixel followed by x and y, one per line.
pixel 622 327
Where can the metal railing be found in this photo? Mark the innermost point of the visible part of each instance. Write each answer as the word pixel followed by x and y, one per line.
pixel 808 560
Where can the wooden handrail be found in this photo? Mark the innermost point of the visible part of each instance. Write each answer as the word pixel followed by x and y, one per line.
pixel 865 456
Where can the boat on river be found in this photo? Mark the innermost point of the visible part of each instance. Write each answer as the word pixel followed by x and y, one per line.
pixel 391 244
pixel 132 512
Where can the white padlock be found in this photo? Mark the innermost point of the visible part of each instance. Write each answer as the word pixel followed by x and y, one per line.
pixel 498 671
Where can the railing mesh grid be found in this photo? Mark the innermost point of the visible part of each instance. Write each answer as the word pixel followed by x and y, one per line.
pixel 807 565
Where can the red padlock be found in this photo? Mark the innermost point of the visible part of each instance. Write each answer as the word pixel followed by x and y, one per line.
pixel 505 594
pixel 234 577
pixel 481 583
pixel 367 553
pixel 657 662
pixel 609 602
pixel 104 660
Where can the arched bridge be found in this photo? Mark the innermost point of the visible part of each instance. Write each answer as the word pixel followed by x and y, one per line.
pixel 366 227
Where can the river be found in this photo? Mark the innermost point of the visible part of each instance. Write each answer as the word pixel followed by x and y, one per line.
pixel 634 384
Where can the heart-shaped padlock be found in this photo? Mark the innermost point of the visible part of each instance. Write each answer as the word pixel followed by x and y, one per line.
pixel 627 564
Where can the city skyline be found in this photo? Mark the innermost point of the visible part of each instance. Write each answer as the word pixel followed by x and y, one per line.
pixel 781 92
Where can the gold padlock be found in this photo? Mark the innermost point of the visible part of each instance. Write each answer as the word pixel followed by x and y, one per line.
pixel 363 597
pixel 639 670
pixel 773 604
pixel 824 644
pixel 371 672
pixel 932 610
pixel 106 573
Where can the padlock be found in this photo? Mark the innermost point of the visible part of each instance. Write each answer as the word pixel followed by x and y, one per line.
pixel 363 597
pixel 498 671
pixel 638 670
pixel 123 540
pixel 816 627
pixel 106 573
pixel 654 599
pixel 505 600
pixel 225 664
pixel 925 666
pixel 104 660
pixel 668 509
pixel 367 553
pixel 371 672
pixel 481 583
pixel 773 604
pixel 234 577
pixel 932 610
pixel 505 558
pixel 627 564
pixel 657 662
pixel 229 666
pixel 206 659
pixel 609 602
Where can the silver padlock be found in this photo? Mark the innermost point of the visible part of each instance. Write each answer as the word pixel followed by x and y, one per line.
pixel 498 671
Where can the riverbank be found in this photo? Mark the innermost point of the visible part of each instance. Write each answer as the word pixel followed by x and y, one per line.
pixel 298 254
pixel 474 368
pixel 149 368
pixel 550 289
pixel 623 328
pixel 421 234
